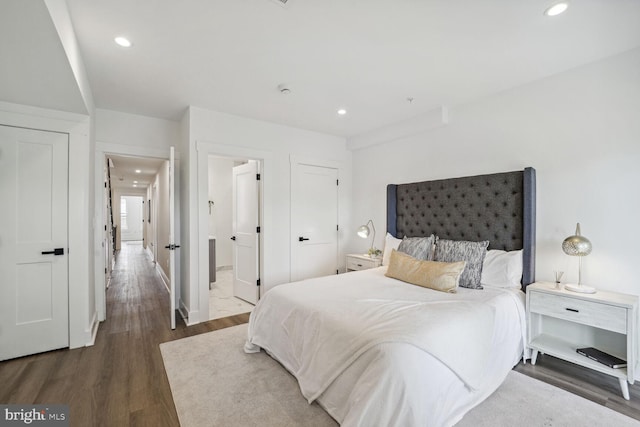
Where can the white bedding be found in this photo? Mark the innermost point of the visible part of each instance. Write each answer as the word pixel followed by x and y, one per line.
pixel 377 351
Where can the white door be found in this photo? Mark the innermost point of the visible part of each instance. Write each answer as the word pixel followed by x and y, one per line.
pixel 172 237
pixel 246 217
pixel 314 221
pixel 34 314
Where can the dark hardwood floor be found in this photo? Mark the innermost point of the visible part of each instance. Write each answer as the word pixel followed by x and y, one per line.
pixel 600 388
pixel 120 381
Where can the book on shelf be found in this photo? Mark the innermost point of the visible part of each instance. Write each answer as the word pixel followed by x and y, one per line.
pixel 602 357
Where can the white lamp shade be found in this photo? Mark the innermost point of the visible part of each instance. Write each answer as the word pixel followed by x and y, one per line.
pixel 363 231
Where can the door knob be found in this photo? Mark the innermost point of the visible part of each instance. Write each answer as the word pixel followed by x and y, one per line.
pixel 233 237
pixel 56 251
pixel 302 239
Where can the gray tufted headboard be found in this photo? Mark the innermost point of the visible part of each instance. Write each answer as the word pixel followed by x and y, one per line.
pixel 500 208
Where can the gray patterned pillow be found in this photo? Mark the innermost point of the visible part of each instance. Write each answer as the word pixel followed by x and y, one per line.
pixel 418 247
pixel 471 252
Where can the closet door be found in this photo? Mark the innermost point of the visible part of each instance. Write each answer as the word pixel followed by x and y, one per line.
pixel 34 282
pixel 314 221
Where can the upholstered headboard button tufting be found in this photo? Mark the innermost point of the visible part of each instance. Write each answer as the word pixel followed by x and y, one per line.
pixel 497 207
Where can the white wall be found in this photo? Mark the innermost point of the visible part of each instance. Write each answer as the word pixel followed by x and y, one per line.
pixel 579 129
pixel 127 129
pixel 212 132
pixel 162 217
pixel 220 219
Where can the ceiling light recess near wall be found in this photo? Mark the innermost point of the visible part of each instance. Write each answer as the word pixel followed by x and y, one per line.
pixel 342 111
pixel 123 41
pixel 556 9
pixel 138 171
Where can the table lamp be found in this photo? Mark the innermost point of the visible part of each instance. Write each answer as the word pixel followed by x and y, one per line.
pixel 364 231
pixel 578 245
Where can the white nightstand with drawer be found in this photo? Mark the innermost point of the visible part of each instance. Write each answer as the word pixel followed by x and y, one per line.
pixel 362 262
pixel 561 321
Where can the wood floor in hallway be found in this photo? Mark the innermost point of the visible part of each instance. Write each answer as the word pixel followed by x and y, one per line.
pixel 120 381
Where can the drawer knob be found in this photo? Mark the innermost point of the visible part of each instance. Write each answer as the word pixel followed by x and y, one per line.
pixel 359 265
pixel 572 309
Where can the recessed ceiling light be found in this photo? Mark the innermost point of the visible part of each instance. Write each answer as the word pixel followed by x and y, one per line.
pixel 135 182
pixel 123 41
pixel 134 185
pixel 342 111
pixel 138 171
pixel 556 9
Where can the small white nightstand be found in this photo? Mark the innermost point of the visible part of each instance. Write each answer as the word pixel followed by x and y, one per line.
pixel 362 262
pixel 560 321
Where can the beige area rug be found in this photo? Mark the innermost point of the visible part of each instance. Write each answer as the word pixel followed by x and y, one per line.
pixel 214 383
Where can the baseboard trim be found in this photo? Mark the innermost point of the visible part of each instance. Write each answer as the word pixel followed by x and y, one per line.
pixel 185 314
pixel 163 276
pixel 149 253
pixel 224 267
pixel 92 332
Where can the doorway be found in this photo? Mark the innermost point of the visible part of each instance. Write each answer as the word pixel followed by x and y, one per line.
pixel 131 219
pixel 137 207
pixel 233 232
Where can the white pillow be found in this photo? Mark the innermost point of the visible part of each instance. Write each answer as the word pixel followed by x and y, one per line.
pixel 390 243
pixel 502 269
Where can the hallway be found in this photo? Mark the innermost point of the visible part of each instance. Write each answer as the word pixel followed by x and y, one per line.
pixel 120 381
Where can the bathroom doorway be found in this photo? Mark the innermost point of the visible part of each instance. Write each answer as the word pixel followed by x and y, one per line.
pixel 233 250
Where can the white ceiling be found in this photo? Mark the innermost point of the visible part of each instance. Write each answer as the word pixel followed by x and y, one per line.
pixel 124 171
pixel 367 56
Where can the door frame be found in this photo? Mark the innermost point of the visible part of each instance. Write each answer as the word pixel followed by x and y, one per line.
pixel 102 150
pixel 83 324
pixel 204 150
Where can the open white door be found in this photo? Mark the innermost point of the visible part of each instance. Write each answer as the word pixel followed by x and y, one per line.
pixel 314 221
pixel 172 237
pixel 246 226
pixel 34 278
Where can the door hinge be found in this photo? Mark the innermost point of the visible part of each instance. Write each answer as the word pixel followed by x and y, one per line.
pixel 257 229
pixel 105 270
pixel 105 228
pixel 258 282
pixel 105 185
pixel 258 177
pixel 337 227
pixel 337 182
pixel 337 272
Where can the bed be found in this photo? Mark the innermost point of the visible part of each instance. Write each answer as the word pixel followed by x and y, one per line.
pixel 373 350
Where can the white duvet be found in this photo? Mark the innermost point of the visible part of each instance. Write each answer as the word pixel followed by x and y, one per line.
pixel 377 351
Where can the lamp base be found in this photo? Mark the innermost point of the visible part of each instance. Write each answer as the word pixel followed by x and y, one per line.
pixel 581 288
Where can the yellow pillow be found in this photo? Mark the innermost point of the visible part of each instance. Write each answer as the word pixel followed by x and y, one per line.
pixel 441 276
